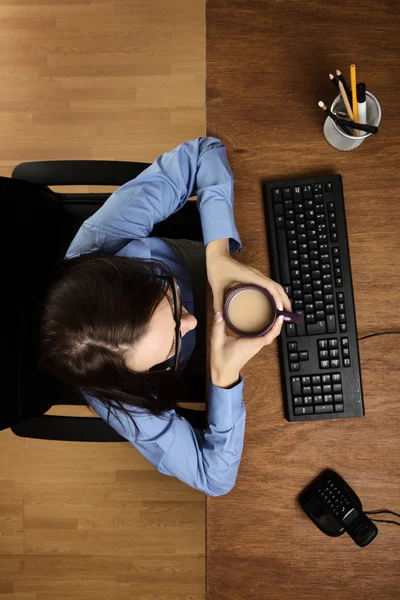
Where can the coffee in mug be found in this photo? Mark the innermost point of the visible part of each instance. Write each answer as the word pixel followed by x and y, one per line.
pixel 250 310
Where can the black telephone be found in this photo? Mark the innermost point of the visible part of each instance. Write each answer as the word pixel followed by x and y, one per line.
pixel 335 508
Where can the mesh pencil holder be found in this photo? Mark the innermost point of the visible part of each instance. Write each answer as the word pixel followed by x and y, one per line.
pixel 340 140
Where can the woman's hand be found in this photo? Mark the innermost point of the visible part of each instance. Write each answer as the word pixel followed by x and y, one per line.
pixel 223 270
pixel 230 354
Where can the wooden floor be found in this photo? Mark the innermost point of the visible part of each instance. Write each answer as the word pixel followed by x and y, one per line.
pixel 97 80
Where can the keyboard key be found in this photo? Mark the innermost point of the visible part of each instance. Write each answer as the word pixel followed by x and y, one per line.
pixel 317 188
pixel 292 346
pixel 318 399
pixel 339 408
pixel 328 398
pixel 307 192
pixel 307 390
pixel 280 222
pixel 296 386
pixel 307 400
pixel 334 353
pixel 310 318
pixel 304 355
pixel 346 362
pixel 294 366
pixel 287 193
pixel 303 410
pixel 333 343
pixel 324 408
pixel 317 389
pixel 305 380
pixel 277 194
pixel 287 205
pixel 338 398
pixel 345 352
pixel 327 388
pixel 278 210
pixel 343 328
pixel 336 377
pixel 331 323
pixel 301 327
pixel 337 388
pixel 297 400
pixel 345 342
pixel 326 379
pixel 297 196
pixel 335 364
pixel 324 364
pixel 319 315
pixel 328 186
pixel 294 356
pixel 290 330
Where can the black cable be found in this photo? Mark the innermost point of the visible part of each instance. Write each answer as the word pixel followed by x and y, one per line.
pixel 385 521
pixel 364 337
pixel 382 510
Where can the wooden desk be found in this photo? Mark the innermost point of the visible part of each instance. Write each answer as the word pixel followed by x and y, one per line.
pixel 267 67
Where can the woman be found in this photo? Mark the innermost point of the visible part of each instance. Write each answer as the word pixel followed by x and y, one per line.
pixel 118 320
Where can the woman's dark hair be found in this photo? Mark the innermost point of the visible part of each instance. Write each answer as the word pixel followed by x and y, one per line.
pixel 94 309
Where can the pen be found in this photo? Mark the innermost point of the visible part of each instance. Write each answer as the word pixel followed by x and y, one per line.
pixel 346 101
pixel 344 82
pixel 353 83
pixel 361 103
pixel 359 126
pixel 333 117
pixel 334 81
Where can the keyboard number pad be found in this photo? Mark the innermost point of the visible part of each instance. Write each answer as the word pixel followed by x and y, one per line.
pixel 316 394
pixel 328 353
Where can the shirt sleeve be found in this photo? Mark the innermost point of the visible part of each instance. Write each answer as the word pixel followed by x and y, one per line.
pixel 207 461
pixel 198 166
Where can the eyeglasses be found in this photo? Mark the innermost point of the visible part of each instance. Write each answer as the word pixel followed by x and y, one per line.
pixel 177 313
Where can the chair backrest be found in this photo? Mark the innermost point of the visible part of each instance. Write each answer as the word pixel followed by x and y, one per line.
pixel 36 232
pixel 40 224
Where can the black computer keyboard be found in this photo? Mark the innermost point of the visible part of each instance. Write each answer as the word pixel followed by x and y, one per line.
pixel 309 256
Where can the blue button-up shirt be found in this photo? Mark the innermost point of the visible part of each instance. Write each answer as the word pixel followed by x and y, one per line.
pixel 209 460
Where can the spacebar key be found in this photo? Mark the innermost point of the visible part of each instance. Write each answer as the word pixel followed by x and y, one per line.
pixel 283 257
pixel 316 328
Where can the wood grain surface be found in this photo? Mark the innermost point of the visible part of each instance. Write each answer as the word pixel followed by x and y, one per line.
pixel 108 80
pixel 267 68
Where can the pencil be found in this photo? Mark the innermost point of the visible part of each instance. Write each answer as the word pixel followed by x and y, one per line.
pixel 354 91
pixel 346 101
pixel 334 81
pixel 346 87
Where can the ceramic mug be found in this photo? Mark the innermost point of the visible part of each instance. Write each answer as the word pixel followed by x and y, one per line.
pixel 265 303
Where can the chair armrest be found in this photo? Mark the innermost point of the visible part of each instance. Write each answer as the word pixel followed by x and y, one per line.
pixel 67 429
pixel 78 172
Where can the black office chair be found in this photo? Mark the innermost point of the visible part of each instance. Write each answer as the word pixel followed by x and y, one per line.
pixel 38 227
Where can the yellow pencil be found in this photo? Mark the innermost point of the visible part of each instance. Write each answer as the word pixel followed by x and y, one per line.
pixel 353 83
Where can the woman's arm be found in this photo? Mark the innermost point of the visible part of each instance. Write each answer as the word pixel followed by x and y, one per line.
pixel 196 166
pixel 207 461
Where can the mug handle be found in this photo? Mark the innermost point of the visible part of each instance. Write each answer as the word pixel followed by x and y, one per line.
pixel 289 317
